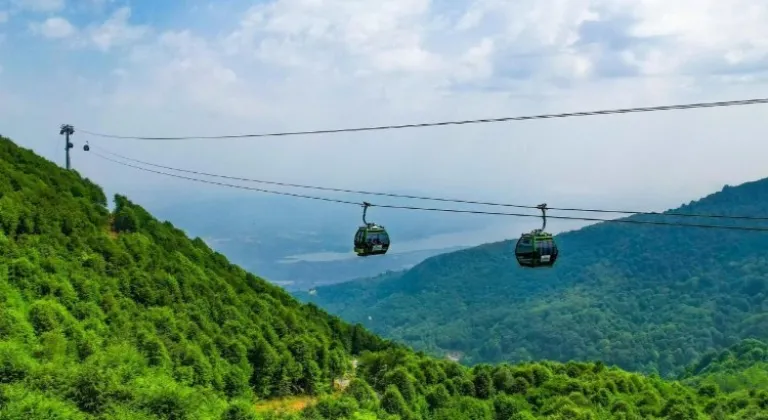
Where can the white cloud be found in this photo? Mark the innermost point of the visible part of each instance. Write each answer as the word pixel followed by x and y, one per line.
pixel 99 4
pixel 54 27
pixel 116 31
pixel 41 5
pixel 309 64
pixel 732 34
pixel 381 36
pixel 476 62
pixel 3 16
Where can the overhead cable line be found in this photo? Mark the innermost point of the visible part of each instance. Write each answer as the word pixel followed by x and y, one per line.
pixel 435 124
pixel 416 197
pixel 588 219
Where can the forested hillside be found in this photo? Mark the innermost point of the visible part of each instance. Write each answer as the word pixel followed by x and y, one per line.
pixel 647 298
pixel 115 315
pixel 107 312
pixel 743 366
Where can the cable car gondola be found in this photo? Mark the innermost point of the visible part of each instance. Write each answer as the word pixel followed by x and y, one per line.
pixel 537 249
pixel 370 239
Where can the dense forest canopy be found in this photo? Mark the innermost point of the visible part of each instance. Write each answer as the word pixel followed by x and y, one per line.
pixel 116 315
pixel 743 366
pixel 647 298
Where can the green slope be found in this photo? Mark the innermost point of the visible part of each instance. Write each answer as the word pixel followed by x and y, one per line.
pixel 743 366
pixel 113 310
pixel 646 298
pixel 115 315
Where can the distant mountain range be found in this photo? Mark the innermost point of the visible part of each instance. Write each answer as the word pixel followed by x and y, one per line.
pixel 647 298
pixel 113 314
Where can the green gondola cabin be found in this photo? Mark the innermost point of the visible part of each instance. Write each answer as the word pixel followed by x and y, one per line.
pixel 370 238
pixel 537 248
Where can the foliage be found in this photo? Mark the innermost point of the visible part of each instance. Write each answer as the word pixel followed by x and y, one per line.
pixel 742 366
pixel 646 298
pixel 115 315
pixel 106 310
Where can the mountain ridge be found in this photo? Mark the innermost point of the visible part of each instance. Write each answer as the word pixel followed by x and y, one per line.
pixel 115 315
pixel 620 279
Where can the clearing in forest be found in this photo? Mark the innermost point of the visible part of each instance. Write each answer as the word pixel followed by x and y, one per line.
pixel 292 404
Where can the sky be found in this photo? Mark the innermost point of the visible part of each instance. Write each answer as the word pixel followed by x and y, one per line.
pixel 187 67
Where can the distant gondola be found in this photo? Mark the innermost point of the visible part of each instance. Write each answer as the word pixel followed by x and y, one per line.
pixel 370 239
pixel 537 249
